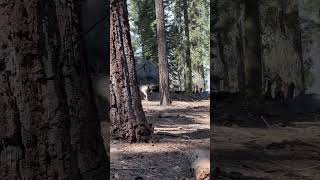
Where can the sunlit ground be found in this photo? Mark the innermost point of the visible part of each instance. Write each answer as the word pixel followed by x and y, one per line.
pixel 179 129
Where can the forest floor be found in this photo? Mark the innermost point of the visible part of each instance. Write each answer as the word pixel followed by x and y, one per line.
pixel 267 142
pixel 179 129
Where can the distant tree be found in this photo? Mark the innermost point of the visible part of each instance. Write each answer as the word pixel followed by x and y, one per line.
pixel 142 19
pixel 128 121
pixel 297 43
pixel 188 53
pixel 163 63
pixel 199 29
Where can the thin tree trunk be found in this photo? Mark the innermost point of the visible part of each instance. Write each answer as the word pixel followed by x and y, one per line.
pixel 163 62
pixel 298 45
pixel 185 80
pixel 179 79
pixel 188 53
pixel 241 67
pixel 49 126
pixel 253 48
pixel 128 121
pixel 203 74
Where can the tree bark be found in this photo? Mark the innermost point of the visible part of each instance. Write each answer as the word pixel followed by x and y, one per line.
pixel 224 62
pixel 203 76
pixel 49 126
pixel 128 121
pixel 188 53
pixel 213 40
pixel 253 71
pixel 163 62
pixel 241 66
pixel 294 20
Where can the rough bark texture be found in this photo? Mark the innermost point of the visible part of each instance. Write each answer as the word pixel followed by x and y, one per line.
pixel 253 71
pixel 49 128
pixel 188 52
pixel 163 63
pixel 128 121
pixel 224 63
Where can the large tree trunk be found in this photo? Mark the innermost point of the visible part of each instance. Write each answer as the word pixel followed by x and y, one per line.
pixel 128 121
pixel 49 126
pixel 253 48
pixel 163 63
pixel 188 53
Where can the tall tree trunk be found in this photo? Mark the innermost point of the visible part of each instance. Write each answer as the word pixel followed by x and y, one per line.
pixel 49 126
pixel 240 52
pixel 163 62
pixel 253 48
pixel 294 19
pixel 128 121
pixel 213 35
pixel 213 39
pixel 188 53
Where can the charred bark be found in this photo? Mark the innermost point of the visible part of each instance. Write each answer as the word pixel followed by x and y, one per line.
pixel 253 70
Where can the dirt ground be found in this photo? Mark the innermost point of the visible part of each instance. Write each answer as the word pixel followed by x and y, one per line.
pixel 274 144
pixel 179 129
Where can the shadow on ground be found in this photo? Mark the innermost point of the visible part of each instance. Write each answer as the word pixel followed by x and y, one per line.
pixel 182 97
pixel 260 115
pixel 266 141
pixel 179 129
pixel 150 165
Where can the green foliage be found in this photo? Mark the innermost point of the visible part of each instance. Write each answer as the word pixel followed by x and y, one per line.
pixel 199 30
pixel 143 28
pixel 143 31
pixel 200 39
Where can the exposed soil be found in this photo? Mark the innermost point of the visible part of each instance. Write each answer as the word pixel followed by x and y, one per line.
pixel 271 141
pixel 179 129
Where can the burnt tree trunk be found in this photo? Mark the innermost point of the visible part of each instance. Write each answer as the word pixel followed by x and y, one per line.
pixel 163 63
pixel 128 121
pixel 188 53
pixel 253 64
pixel 49 126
